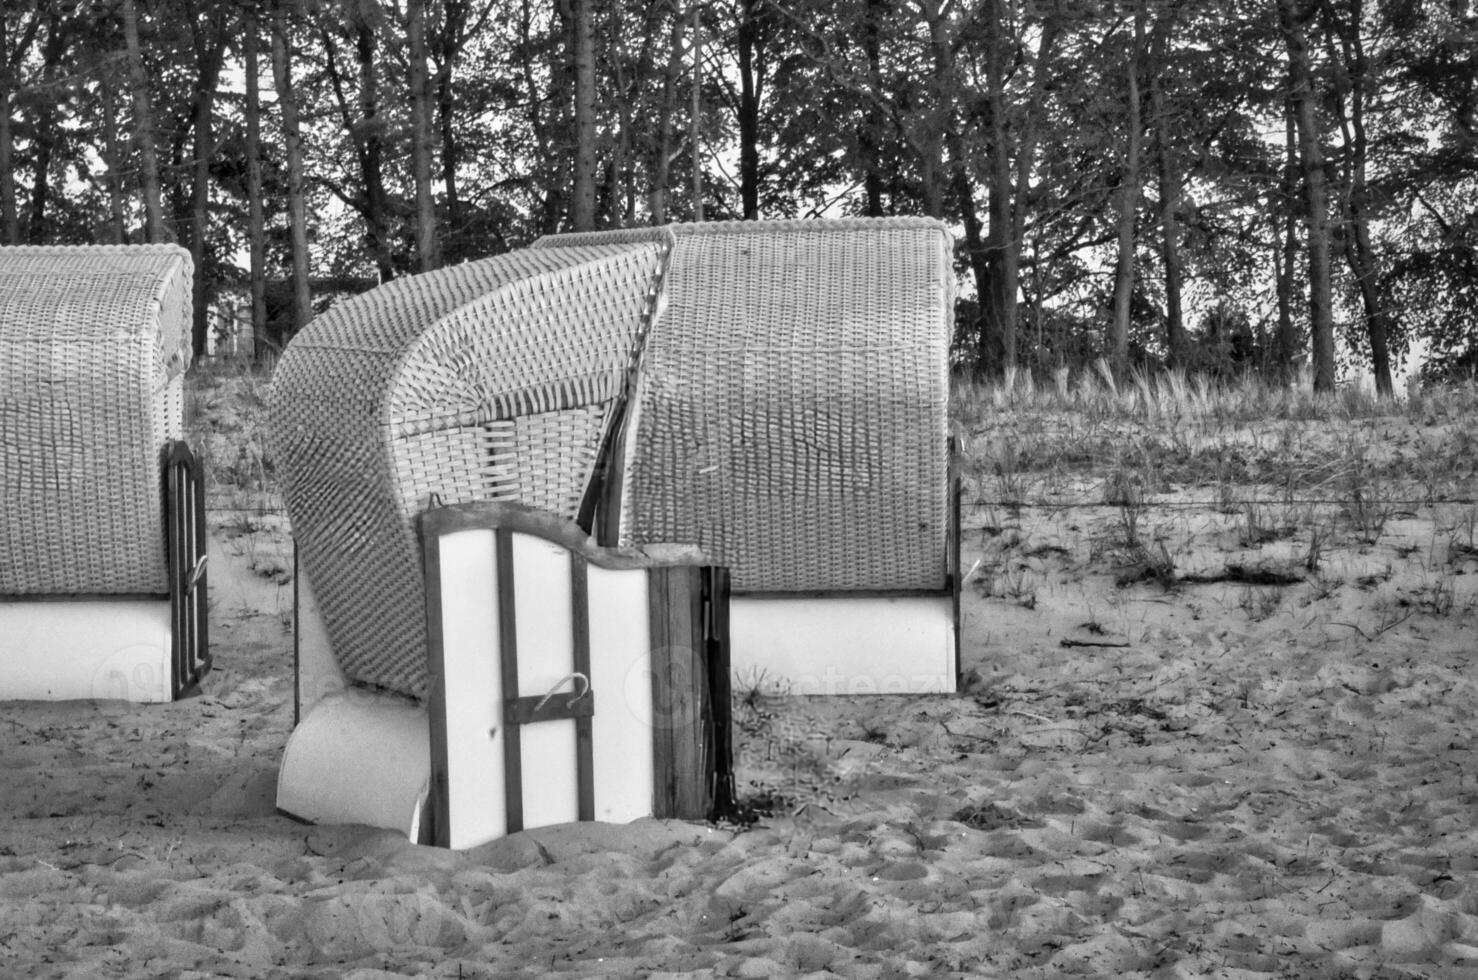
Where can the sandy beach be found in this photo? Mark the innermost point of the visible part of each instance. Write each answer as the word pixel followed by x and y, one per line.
pixel 1218 723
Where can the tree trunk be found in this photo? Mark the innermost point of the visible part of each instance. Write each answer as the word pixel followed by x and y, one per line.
pixel 1361 257
pixel 999 300
pixel 582 53
pixel 870 136
pixel 662 154
pixel 297 211
pixel 558 92
pixel 1026 151
pixel 931 175
pixel 1168 171
pixel 1285 225
pixel 1176 341
pixel 427 251
pixel 934 175
pixel 45 134
pixel 1359 253
pixel 449 44
pixel 987 355
pixel 1292 19
pixel 155 229
pixel 256 225
pixel 13 54
pixel 376 200
pixel 621 194
pixel 113 158
pixel 749 112
pixel 1128 206
pixel 45 140
pixel 695 114
pixel 1283 257
pixel 365 127
pixel 9 221
pixel 207 37
pixel 460 21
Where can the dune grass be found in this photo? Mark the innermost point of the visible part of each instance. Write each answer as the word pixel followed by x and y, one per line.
pixel 1095 393
pixel 1019 436
pixel 226 423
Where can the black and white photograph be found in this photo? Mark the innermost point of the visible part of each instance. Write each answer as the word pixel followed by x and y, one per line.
pixel 859 489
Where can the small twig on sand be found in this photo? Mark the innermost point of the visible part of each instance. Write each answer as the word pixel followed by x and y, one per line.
pixel 1089 643
pixel 125 854
pixel 1351 626
pixel 1383 628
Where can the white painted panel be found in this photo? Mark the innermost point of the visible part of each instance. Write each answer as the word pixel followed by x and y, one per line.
pixel 621 676
pixel 474 688
pixel 358 758
pixel 65 651
pixel 551 786
pixel 901 645
pixel 319 674
pixel 542 599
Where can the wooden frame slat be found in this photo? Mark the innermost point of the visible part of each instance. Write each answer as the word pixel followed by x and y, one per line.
pixel 439 817
pixel 508 654
pixel 584 731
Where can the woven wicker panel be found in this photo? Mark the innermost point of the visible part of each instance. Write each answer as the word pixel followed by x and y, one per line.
pixel 93 345
pixel 556 453
pixel 428 388
pixel 791 411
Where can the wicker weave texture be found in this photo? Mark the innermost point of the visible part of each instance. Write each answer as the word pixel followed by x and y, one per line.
pixel 488 380
pixel 93 345
pixel 791 413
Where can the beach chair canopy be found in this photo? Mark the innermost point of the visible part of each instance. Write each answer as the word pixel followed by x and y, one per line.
pixel 94 342
pixel 774 393
pixel 790 413
pixel 490 380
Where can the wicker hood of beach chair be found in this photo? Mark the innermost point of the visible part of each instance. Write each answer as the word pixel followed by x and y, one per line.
pixel 490 380
pixel 94 343
pixel 791 413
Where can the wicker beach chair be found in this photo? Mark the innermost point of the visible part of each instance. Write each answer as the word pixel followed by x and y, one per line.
pixel 791 414
pixel 774 393
pixel 768 396
pixel 491 380
pixel 492 386
pixel 790 418
pixel 102 502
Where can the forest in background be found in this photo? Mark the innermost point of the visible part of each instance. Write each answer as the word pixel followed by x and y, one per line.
pixel 1221 186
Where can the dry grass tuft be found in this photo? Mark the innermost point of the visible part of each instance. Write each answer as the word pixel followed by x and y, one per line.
pixel 226 423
